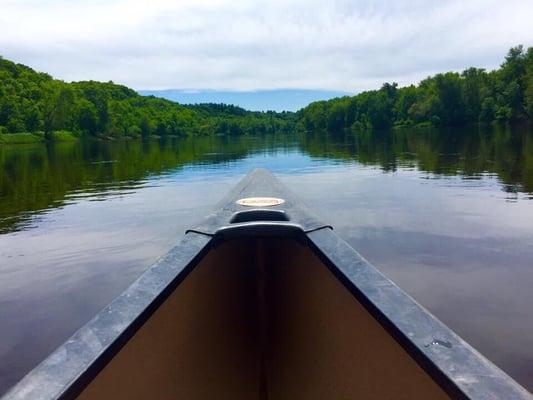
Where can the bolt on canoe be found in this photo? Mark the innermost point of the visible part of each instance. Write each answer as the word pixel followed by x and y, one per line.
pixel 262 300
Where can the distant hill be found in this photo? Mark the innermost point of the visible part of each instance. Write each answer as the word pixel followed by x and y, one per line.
pixel 259 100
pixel 33 102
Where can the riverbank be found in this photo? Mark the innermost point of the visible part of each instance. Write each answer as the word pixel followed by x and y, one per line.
pixel 67 136
pixel 36 137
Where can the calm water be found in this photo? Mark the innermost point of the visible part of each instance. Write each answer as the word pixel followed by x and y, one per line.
pixel 447 215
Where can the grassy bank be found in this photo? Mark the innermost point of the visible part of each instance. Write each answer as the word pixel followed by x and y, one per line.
pixel 64 136
pixel 36 137
pixel 20 138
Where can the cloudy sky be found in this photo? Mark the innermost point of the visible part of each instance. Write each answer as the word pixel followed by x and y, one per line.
pixel 250 45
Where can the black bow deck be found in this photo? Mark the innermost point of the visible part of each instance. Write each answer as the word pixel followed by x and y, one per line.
pixel 231 219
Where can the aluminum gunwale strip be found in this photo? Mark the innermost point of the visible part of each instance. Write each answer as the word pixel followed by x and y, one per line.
pixel 68 370
pixel 459 369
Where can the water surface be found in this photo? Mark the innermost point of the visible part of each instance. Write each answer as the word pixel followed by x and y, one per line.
pixel 447 215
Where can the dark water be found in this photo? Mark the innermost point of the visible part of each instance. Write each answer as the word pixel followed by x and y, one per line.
pixel 448 215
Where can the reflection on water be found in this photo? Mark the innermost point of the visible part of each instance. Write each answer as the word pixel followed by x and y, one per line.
pixel 446 214
pixel 37 177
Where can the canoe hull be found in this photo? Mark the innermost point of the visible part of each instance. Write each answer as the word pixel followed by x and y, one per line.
pixel 262 318
pixel 266 303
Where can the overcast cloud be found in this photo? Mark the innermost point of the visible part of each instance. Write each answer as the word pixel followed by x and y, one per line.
pixel 247 45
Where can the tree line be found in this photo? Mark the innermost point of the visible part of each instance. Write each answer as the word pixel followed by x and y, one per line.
pixel 32 101
pixel 447 99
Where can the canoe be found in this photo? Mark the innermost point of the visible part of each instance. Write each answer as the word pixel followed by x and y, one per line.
pixel 261 300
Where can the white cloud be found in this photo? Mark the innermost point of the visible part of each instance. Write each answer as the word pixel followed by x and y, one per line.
pixel 243 45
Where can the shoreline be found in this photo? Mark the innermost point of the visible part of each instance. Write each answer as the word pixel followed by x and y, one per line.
pixel 63 136
pixel 36 137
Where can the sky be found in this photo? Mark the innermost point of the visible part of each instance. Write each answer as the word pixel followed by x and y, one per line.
pixel 257 100
pixel 235 45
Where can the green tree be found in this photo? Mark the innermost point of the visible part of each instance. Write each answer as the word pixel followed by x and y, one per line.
pixel 473 90
pixel 511 85
pixel 32 118
pixel 87 117
pixel 528 83
pixel 58 106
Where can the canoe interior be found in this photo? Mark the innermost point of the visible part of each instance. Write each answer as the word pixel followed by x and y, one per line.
pixel 264 319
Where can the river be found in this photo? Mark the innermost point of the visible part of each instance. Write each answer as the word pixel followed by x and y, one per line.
pixel 446 214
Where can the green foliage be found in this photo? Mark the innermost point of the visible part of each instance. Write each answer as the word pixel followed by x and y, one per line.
pixel 63 136
pixel 447 99
pixel 528 83
pixel 32 101
pixel 20 138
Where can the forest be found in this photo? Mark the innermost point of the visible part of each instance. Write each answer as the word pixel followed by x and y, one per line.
pixel 34 102
pixel 447 99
